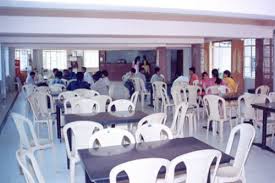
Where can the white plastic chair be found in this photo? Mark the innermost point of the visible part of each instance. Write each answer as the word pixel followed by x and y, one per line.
pixel 153 132
pixel 140 171
pixel 193 98
pixel 82 105
pixel 28 89
pixel 263 90
pixel 165 101
pixel 157 87
pixel 196 82
pixel 197 163
pixel 111 137
pixel 103 101
pixel 178 93
pixel 139 86
pixel 41 113
pixel 236 171
pixel 69 81
pixel 158 118
pixel 66 95
pixel 216 112
pixel 28 138
pixel 57 88
pixel 245 111
pixel 44 89
pixel 177 126
pixel 121 105
pixel 28 164
pixel 81 131
pixel 134 98
pixel 86 93
pixel 214 90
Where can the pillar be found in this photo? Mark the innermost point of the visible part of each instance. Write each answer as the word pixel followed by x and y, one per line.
pixel 259 62
pixel 196 57
pixel 206 57
pixel 237 62
pixel 162 61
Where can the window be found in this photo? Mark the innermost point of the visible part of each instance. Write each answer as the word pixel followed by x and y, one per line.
pixel 54 59
pixel 222 56
pixel 267 65
pixel 249 58
pixel 91 58
pixel 24 55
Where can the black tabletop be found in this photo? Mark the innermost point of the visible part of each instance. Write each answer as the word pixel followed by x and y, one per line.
pixel 270 107
pixel 230 97
pixel 107 118
pixel 99 162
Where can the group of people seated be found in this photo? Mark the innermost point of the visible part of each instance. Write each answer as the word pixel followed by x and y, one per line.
pixel 205 81
pixel 98 81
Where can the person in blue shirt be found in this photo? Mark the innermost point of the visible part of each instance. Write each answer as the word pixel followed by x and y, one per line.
pixel 79 83
pixel 71 74
pixel 58 78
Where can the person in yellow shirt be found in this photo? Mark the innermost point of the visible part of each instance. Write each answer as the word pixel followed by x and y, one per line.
pixel 229 81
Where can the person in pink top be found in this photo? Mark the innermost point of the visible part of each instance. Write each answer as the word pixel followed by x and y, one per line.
pixel 192 75
pixel 205 80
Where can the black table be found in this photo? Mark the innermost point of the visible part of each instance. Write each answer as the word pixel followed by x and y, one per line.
pixel 99 162
pixel 267 108
pixel 104 118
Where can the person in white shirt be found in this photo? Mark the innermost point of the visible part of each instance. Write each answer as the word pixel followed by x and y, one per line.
pixel 87 76
pixel 30 78
pixel 105 78
pixel 141 75
pixel 157 76
pixel 135 64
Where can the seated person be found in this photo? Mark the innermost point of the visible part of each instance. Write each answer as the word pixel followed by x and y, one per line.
pixel 141 75
pixel 205 80
pixel 30 78
pixel 79 83
pixel 229 81
pixel 57 79
pixel 66 74
pixel 105 78
pixel 100 85
pixel 192 75
pixel 71 74
pixel 87 76
pixel 126 78
pixel 157 76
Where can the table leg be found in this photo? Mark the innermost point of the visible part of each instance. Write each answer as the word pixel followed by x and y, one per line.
pixel 264 135
pixel 58 122
pixel 69 134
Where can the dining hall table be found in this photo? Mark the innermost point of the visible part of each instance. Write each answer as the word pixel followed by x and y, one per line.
pixel 98 162
pixel 266 108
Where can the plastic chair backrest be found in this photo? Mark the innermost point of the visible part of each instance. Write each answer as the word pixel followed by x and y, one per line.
pixel 121 105
pixel 137 84
pixel 215 107
pixel 23 126
pixel 157 86
pixel 158 118
pixel 28 89
pixel 212 90
pixel 66 95
pixel 103 101
pixel 39 105
pixel 140 171
pixel 263 89
pixel 193 91
pixel 246 137
pixel 111 137
pixel 29 164
pixel 244 106
pixel 82 105
pixel 164 96
pixel 198 165
pixel 81 132
pixel 86 93
pixel 179 94
pixel 153 132
pixel 179 118
pixel 44 89
pixel 196 82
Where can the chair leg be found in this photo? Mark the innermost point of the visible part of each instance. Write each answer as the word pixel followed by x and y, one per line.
pixel 142 101
pixel 208 125
pixel 221 130
pixel 191 121
pixel 72 171
pixel 243 178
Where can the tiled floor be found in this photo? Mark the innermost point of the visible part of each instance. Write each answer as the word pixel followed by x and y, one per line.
pixel 260 166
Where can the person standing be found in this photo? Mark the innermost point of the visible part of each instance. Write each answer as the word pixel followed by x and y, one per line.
pixel 136 63
pixel 30 78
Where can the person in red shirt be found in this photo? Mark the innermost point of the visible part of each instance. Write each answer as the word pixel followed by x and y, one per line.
pixel 192 75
